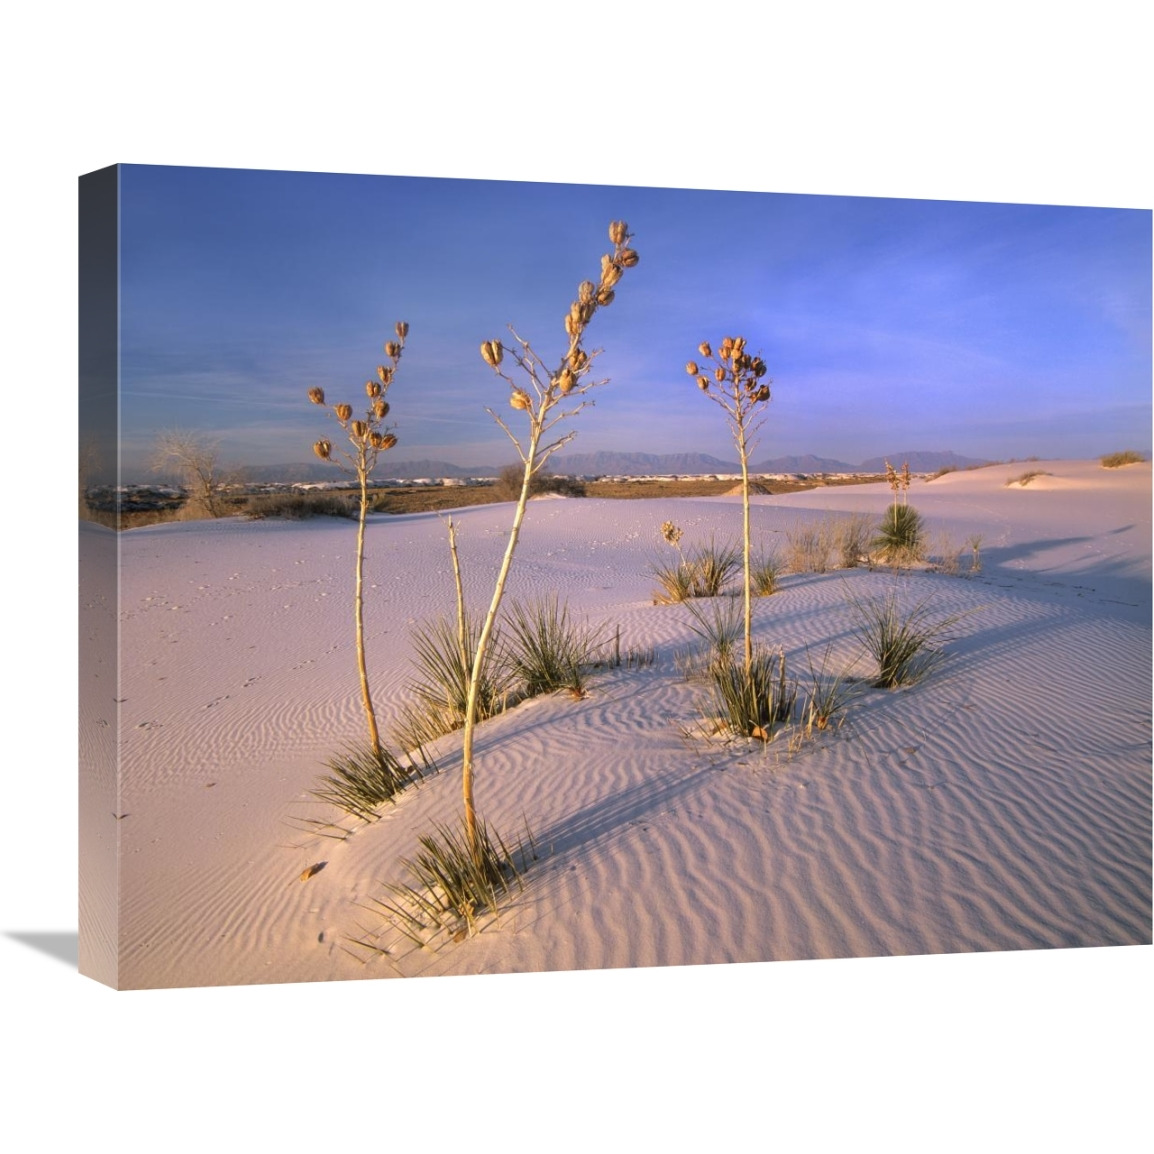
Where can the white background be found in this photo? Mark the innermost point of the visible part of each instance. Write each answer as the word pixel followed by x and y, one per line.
pixel 990 102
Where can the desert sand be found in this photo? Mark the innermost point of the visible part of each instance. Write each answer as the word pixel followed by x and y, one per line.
pixel 1002 804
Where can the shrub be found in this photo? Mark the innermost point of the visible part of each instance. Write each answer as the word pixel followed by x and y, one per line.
pixel 753 700
pixel 851 539
pixel 546 650
pixel 943 471
pixel 299 507
pixel 363 779
pixel 507 487
pixel 975 544
pixel 809 548
pixel 1024 479
pixel 1125 457
pixel 947 554
pixel 905 645
pixel 900 538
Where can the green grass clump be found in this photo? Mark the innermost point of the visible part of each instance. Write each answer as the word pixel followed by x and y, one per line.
pixel 900 538
pixel 1125 457
pixel 753 702
pixel 361 781
pixel 546 650
pixel 450 887
pixel 906 645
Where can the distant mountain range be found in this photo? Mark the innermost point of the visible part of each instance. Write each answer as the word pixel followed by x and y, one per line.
pixel 625 464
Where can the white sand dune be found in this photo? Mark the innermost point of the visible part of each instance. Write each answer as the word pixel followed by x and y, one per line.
pixel 1002 804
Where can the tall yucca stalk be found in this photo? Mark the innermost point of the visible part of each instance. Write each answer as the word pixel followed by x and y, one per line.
pixel 551 397
pixel 368 437
pixel 740 386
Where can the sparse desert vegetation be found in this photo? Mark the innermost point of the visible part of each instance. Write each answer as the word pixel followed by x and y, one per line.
pixel 1125 457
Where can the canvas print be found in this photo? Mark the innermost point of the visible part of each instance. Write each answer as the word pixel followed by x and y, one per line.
pixel 494 577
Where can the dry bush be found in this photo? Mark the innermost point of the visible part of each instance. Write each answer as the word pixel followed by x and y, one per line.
pixel 300 506
pixel 809 548
pixel 1023 479
pixel 851 539
pixel 1125 457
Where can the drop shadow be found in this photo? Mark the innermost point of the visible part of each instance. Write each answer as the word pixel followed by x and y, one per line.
pixel 63 945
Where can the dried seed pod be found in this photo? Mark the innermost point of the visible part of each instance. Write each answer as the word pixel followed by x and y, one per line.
pixel 323 449
pixel 566 380
pixel 703 384
pixel 343 412
pixel 611 272
pixel 691 368
pixel 726 347
pixel 381 410
pixel 759 369
pixel 385 374
pixel 762 394
pixel 372 389
pixel 402 329
pixel 491 353
pixel 739 344
pixel 317 396
pixel 704 349
pixel 585 290
pixel 578 359
pixel 388 440
pixel 393 350
pixel 719 373
pixel 618 232
pixel 572 327
pixel 605 296
pixel 359 429
pixel 520 399
pixel 627 258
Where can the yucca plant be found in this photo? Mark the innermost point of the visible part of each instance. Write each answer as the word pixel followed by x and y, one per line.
pixel 900 538
pixel 755 698
pixel 764 572
pixel 441 688
pixel 719 627
pixel 905 644
pixel 362 779
pixel 826 698
pixel 368 437
pixel 544 397
pixel 458 875
pixel 739 385
pixel 705 572
pixel 546 650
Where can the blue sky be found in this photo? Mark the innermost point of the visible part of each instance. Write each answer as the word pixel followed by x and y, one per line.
pixel 994 330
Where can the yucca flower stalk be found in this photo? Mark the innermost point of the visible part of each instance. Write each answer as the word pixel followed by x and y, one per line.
pixel 740 386
pixel 368 437
pixel 546 397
